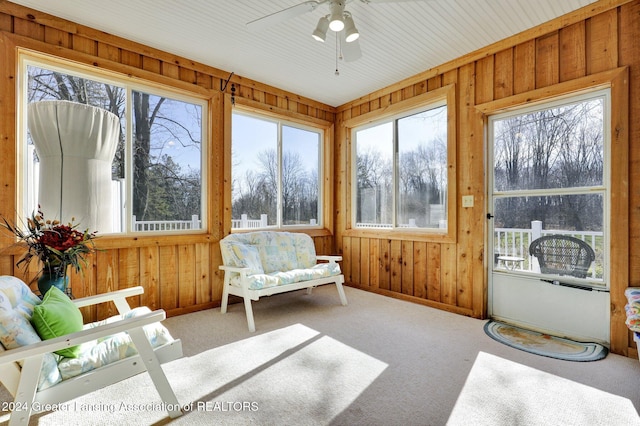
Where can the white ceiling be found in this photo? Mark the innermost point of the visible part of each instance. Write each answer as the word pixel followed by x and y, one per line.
pixel 397 39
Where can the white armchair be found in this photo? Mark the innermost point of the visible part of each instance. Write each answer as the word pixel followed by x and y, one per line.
pixel 36 377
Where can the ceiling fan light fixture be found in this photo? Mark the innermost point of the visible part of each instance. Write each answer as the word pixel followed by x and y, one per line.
pixel 320 33
pixel 350 30
pixel 336 21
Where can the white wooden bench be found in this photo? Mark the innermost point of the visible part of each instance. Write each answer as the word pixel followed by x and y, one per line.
pixel 264 263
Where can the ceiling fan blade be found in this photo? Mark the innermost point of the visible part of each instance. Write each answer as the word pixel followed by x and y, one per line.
pixel 351 51
pixel 288 13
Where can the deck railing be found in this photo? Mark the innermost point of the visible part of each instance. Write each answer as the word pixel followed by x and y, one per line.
pixel 411 224
pixel 166 225
pixel 245 223
pixel 515 242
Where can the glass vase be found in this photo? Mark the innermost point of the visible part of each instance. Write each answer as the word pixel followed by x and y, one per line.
pixel 53 277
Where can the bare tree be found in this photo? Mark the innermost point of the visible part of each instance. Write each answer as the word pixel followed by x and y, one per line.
pixel 559 147
pixel 151 119
pixel 257 193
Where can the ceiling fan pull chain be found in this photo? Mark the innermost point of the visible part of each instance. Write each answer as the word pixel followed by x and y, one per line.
pixel 337 72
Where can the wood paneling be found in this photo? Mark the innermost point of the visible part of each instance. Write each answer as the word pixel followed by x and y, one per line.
pixel 395 266
pixel 420 276
pixel 572 52
pixel 602 42
pixel 547 60
pixel 180 274
pixel 354 256
pixel 453 276
pixel 503 74
pixel 406 265
pixel 524 67
pixel 149 276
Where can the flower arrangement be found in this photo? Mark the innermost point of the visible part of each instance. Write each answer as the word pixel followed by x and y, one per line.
pixel 56 245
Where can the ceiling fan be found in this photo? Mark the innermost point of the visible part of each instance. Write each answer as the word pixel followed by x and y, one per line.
pixel 338 20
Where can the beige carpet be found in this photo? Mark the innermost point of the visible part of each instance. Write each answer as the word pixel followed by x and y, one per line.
pixel 377 361
pixel 502 392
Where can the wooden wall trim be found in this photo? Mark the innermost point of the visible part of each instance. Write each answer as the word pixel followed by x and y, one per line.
pixel 619 246
pixel 8 114
pixel 279 113
pixel 448 93
pixel 397 108
pixel 568 88
pixel 107 67
pixel 225 173
pixel 216 183
pixel 420 301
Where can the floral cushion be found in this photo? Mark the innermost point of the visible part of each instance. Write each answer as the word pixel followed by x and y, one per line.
pixel 305 251
pixel 242 256
pixel 104 351
pixel 284 257
pixel 277 257
pixel 278 251
pixel 260 281
pixel 16 308
pixel 633 308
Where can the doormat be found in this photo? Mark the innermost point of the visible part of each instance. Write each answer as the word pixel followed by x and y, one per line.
pixel 544 344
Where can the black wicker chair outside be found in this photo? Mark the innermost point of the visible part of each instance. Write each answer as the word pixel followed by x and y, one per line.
pixel 562 255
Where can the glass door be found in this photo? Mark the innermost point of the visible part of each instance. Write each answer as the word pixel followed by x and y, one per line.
pixel 549 183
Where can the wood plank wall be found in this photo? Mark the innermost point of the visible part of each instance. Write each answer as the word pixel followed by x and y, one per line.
pixel 179 273
pixel 453 276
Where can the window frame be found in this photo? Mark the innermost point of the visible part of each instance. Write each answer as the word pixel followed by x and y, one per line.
pixel 129 84
pixel 444 96
pixel 325 175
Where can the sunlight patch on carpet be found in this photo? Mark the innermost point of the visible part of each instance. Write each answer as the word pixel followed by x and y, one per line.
pixel 544 344
pixel 501 392
pixel 294 374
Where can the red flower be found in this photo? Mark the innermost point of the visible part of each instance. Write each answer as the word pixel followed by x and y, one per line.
pixel 61 237
pixel 55 244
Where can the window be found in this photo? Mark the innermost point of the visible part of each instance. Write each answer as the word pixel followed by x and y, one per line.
pixel 118 157
pixel 275 173
pixel 401 171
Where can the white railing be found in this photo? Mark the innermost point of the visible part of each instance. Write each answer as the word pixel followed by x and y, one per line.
pixel 412 224
pixel 245 223
pixel 118 197
pixel 516 241
pixel 166 225
pixel 373 225
pixel 385 225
